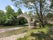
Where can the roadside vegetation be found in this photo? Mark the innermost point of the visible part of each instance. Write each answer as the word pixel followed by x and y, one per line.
pixel 39 34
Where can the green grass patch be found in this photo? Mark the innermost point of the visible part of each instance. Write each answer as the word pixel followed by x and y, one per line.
pixel 45 30
pixel 28 35
pixel 49 25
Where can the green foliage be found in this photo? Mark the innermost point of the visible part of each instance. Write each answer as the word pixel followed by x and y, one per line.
pixel 50 15
pixel 1 17
pixel 9 10
pixel 51 4
pixel 19 11
pixel 41 36
pixel 22 21
pixel 10 17
pixel 38 6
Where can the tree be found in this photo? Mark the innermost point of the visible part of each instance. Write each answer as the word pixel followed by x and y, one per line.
pixel 30 15
pixel 39 6
pixel 9 15
pixel 1 17
pixel 50 15
pixel 19 11
pixel 51 6
pixel 22 21
pixel 9 10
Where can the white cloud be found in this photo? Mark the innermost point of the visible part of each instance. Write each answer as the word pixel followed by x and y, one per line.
pixel 31 3
pixel 4 10
pixel 12 6
pixel 23 11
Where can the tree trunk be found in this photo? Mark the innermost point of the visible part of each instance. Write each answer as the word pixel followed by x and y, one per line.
pixel 41 14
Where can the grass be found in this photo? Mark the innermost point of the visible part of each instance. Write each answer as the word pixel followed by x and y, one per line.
pixel 28 35
pixel 45 30
pixel 14 32
pixel 50 25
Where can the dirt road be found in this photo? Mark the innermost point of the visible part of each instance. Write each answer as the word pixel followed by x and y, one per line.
pixel 9 29
pixel 14 37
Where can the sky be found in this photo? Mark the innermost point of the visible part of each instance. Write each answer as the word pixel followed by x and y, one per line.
pixel 4 3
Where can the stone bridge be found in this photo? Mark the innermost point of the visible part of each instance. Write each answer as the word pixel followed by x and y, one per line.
pixel 28 18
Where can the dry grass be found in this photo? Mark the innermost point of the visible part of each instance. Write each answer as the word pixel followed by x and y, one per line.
pixel 13 32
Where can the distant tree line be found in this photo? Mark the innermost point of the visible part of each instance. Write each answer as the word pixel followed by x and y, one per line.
pixel 10 17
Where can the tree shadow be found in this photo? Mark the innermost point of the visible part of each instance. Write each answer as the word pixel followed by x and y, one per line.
pixel 42 36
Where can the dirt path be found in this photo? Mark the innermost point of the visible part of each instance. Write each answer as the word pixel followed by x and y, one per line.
pixel 9 29
pixel 13 37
